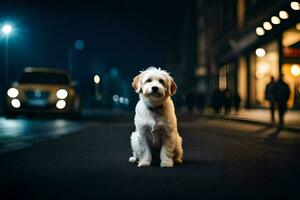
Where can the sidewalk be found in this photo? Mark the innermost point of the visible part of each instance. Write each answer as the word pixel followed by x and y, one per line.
pixel 262 116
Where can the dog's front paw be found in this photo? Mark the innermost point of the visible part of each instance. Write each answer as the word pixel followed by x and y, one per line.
pixel 166 164
pixel 178 161
pixel 144 164
pixel 132 159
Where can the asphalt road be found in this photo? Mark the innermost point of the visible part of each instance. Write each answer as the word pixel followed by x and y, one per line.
pixel 20 133
pixel 89 160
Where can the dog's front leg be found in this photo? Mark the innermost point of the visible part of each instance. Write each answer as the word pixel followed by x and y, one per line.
pixel 144 153
pixel 167 151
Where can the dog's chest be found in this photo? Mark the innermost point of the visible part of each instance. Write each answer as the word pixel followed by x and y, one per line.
pixel 155 134
pixel 156 124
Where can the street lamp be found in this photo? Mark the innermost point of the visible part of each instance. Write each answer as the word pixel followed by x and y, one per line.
pixel 97 79
pixel 6 30
pixel 97 93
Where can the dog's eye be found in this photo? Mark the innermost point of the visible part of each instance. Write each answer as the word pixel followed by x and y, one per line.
pixel 161 81
pixel 148 80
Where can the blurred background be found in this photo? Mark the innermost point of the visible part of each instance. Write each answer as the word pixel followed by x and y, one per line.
pixel 67 105
pixel 91 52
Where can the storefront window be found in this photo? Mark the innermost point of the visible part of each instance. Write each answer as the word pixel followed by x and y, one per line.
pixel 264 65
pixel 227 77
pixel 291 66
pixel 242 80
pixel 223 78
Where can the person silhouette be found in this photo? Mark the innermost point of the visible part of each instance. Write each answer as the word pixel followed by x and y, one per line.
pixel 270 96
pixel 216 101
pixel 236 102
pixel 282 94
pixel 200 102
pixel 226 101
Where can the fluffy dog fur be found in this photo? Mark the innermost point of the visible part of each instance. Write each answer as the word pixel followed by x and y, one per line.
pixel 155 119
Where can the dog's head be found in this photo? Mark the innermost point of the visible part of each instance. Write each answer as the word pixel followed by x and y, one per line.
pixel 154 83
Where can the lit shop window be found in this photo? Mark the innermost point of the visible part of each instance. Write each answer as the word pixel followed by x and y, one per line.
pixel 265 60
pixel 291 65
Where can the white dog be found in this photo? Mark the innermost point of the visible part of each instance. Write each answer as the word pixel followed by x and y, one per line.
pixel 155 119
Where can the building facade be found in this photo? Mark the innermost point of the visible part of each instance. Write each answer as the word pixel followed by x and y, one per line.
pixel 247 42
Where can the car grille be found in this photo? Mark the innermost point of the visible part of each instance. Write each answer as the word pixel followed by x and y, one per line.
pixel 37 94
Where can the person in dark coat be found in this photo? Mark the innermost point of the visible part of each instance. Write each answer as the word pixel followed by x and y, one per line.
pixel 201 102
pixel 216 101
pixel 236 102
pixel 227 101
pixel 281 94
pixel 270 96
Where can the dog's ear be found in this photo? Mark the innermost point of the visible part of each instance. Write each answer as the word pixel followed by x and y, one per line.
pixel 172 87
pixel 136 83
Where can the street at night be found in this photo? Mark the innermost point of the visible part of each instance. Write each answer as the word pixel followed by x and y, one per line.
pixel 222 159
pixel 151 99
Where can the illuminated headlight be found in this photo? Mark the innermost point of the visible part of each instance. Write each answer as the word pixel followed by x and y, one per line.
pixel 61 93
pixel 61 104
pixel 12 92
pixel 16 103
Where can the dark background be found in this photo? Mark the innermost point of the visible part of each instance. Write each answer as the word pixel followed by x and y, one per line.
pixel 121 38
pixel 127 35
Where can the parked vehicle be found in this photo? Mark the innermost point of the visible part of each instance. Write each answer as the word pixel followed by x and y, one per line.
pixel 42 90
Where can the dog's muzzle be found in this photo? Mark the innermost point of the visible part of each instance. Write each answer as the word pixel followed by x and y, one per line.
pixel 154 89
pixel 155 92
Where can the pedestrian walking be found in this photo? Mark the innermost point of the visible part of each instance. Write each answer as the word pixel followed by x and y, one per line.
pixel 270 97
pixel 282 94
pixel 227 101
pixel 236 102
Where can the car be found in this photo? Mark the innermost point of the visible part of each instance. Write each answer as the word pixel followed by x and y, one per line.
pixel 42 90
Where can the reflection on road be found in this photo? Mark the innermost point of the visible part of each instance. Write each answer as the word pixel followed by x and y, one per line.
pixel 19 133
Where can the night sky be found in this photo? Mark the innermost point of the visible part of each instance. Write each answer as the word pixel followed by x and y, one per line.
pixel 127 35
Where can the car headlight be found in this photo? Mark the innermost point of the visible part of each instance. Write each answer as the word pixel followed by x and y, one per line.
pixel 61 93
pixel 12 92
pixel 16 103
pixel 61 104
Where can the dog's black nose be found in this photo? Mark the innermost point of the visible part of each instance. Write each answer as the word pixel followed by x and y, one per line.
pixel 154 89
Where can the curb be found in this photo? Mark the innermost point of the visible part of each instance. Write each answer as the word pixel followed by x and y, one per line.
pixel 289 128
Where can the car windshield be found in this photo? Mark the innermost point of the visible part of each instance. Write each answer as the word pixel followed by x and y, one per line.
pixel 44 78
